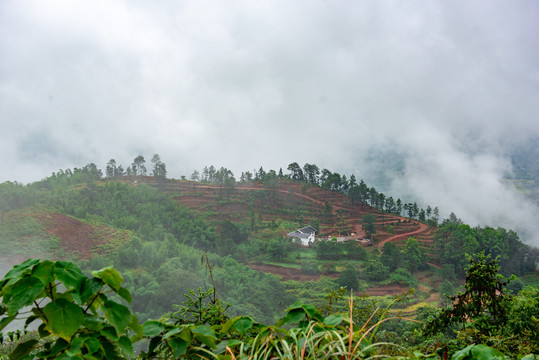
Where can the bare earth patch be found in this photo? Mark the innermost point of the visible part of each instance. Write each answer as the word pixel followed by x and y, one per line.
pixel 289 273
pixel 79 238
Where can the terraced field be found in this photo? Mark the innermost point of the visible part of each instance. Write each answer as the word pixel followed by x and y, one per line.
pixel 284 202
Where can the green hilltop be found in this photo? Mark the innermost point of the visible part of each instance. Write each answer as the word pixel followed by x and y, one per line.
pixel 213 231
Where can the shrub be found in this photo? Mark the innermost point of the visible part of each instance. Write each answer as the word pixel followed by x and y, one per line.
pixel 375 270
pixel 403 277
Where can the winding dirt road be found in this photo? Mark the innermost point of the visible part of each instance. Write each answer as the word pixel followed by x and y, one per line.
pixel 422 227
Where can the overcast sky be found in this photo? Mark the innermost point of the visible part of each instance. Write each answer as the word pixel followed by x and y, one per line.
pixel 448 86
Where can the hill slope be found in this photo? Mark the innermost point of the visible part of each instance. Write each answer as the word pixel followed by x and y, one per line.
pixel 294 202
pixel 36 232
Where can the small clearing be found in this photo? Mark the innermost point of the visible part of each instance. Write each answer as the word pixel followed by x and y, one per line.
pixel 287 273
pixel 83 240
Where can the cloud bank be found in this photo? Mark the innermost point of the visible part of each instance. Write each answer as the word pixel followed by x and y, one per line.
pixel 449 88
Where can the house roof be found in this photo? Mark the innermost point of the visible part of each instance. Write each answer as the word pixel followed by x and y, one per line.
pixel 297 234
pixel 303 233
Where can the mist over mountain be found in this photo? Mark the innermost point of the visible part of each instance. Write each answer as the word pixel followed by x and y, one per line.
pixel 430 101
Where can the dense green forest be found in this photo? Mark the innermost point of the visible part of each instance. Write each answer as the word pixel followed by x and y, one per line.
pixel 89 317
pixel 163 249
pixel 163 258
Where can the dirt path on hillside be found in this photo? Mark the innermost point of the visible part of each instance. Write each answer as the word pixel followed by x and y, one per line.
pixel 287 273
pixel 422 228
pixel 303 196
pixel 386 290
pixel 261 188
pixel 393 218
pixel 295 274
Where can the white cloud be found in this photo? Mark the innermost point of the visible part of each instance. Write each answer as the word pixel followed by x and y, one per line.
pixel 449 86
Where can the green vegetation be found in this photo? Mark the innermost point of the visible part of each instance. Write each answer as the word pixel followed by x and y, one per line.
pixel 89 317
pixel 487 313
pixel 163 249
pixel 75 319
pixel 22 235
pixel 453 240
pixel 162 259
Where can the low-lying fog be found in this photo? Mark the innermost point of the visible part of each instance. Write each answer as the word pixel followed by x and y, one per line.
pixel 449 88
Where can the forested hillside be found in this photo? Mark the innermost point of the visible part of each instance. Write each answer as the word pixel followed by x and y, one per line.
pixel 162 258
pixel 215 233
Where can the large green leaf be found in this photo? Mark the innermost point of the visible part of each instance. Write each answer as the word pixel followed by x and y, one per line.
pixel 96 301
pixel 64 318
pixel 118 315
pixel 309 309
pixel 179 346
pixel 312 312
pixel 294 316
pixel 22 293
pixel 109 349
pixel 183 332
pixel 21 269
pixel 126 345
pixel 203 330
pixel 333 320
pixel 23 349
pixel 125 294
pixel 135 326
pixel 93 322
pixel 44 271
pixel 296 305
pixel 478 352
pixel 69 273
pixel 483 352
pixel 92 344
pixel 205 335
pixel 42 330
pixel 173 332
pixel 109 332
pixel 152 328
pixel 87 289
pixel 228 325
pixel 221 347
pixel 530 357
pixel 154 343
pixel 110 276
pixel 75 347
pixel 58 346
pixel 243 324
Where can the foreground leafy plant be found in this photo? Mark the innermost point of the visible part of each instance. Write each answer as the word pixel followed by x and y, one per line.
pixel 303 333
pixel 478 352
pixel 484 303
pixel 77 318
pixel 487 314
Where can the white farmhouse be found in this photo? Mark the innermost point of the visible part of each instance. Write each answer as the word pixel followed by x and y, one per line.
pixel 306 235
